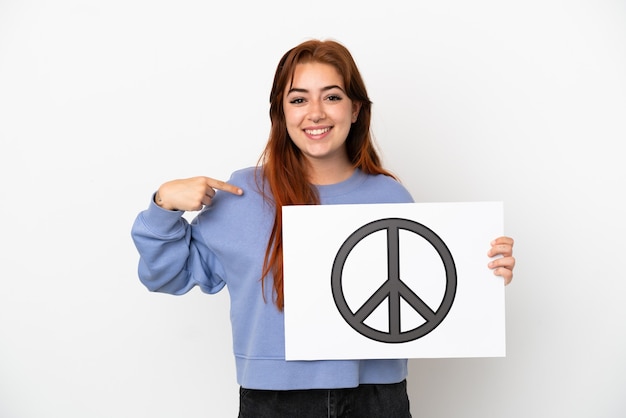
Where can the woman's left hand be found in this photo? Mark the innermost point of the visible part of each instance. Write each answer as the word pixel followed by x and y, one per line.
pixel 502 266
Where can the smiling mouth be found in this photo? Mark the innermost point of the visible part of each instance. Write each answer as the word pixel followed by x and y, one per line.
pixel 316 131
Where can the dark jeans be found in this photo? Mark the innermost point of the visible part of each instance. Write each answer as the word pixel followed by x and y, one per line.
pixel 365 401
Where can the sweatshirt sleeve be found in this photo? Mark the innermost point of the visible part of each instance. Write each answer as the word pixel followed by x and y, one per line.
pixel 172 259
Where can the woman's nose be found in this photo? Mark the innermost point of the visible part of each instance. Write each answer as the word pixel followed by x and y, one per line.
pixel 316 112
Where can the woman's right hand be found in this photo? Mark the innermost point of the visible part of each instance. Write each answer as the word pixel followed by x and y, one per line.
pixel 191 194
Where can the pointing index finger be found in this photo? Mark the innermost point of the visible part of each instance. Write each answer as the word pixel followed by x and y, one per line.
pixel 222 185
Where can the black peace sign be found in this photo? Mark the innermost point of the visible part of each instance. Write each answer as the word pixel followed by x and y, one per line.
pixel 393 288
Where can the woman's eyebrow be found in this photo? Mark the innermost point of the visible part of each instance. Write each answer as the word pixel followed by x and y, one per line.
pixel 300 90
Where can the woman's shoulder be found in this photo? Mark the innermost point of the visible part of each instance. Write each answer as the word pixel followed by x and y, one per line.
pixel 388 188
pixel 230 205
pixel 248 178
pixel 246 173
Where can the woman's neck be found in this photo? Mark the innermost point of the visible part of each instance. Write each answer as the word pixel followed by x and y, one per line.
pixel 321 173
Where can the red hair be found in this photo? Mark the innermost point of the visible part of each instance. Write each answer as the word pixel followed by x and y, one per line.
pixel 284 168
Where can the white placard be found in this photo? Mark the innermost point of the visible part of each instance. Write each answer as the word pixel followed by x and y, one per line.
pixel 392 281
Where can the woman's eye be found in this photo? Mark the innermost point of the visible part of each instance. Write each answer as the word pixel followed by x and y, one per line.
pixel 334 98
pixel 297 100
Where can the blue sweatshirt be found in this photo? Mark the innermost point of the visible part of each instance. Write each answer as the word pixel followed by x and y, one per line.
pixel 225 246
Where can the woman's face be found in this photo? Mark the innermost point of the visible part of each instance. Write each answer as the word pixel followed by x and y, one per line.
pixel 318 112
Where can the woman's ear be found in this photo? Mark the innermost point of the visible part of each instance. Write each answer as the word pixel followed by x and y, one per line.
pixel 356 108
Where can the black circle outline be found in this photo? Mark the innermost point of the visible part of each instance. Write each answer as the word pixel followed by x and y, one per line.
pixel 395 336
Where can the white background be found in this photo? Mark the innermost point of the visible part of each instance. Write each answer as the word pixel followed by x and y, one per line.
pixel 100 102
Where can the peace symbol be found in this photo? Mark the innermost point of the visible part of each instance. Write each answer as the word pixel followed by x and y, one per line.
pixel 393 288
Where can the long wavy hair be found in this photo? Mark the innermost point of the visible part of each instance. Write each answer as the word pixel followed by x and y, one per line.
pixel 283 167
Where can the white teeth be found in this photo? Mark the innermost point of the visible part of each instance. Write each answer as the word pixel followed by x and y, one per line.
pixel 317 131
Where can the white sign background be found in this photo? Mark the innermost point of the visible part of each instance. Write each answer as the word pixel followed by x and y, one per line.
pixel 314 326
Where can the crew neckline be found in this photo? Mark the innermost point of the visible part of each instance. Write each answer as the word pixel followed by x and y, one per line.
pixel 343 187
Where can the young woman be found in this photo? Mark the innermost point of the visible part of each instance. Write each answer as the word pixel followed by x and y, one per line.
pixel 319 152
